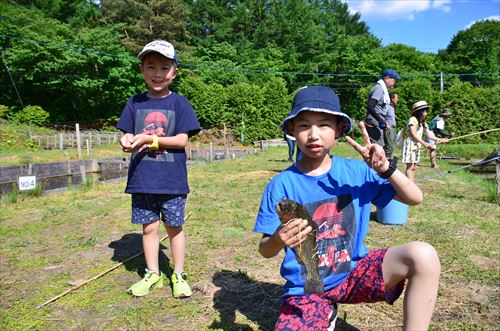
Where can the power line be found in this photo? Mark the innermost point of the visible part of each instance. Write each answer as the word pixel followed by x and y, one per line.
pixel 12 80
pixel 249 70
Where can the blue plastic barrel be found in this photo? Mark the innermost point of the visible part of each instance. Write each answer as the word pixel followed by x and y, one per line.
pixel 395 213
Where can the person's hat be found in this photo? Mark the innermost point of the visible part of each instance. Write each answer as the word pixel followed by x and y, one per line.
pixel 446 112
pixel 419 105
pixel 391 73
pixel 319 99
pixel 162 47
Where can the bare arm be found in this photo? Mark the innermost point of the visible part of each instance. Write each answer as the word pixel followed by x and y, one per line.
pixel 125 141
pixel 290 234
pixel 432 136
pixel 406 190
pixel 178 141
pixel 414 135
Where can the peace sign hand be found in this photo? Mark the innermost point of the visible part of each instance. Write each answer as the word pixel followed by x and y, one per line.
pixel 373 154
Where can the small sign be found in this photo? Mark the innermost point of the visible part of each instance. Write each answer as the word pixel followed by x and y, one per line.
pixel 27 183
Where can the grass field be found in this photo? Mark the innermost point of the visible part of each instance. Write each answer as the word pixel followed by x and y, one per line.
pixel 49 243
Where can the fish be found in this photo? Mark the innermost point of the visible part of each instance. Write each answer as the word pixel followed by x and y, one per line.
pixel 306 252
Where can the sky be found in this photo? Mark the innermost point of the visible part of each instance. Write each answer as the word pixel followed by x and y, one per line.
pixel 427 25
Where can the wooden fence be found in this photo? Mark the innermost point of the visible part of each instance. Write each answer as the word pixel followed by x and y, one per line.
pixel 61 140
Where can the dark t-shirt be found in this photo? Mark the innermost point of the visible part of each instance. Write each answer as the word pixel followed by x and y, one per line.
pixel 161 171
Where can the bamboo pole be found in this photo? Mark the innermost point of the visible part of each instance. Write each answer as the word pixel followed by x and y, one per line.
pixel 74 288
pixel 472 134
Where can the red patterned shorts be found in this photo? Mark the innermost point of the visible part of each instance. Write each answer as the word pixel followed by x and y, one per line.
pixel 365 283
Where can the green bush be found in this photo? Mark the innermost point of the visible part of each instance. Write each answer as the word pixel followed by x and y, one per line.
pixel 16 136
pixel 34 115
pixel 4 110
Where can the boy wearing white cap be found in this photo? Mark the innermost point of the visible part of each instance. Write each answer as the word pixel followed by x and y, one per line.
pixel 156 127
pixel 337 193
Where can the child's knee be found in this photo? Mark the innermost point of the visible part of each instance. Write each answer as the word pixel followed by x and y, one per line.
pixel 173 230
pixel 151 228
pixel 423 258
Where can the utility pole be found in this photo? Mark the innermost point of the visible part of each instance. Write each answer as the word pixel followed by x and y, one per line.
pixel 441 83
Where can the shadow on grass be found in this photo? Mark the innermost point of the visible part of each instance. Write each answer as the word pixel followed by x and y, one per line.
pixel 257 301
pixel 129 245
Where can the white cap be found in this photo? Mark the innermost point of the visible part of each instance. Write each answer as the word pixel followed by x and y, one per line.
pixel 160 46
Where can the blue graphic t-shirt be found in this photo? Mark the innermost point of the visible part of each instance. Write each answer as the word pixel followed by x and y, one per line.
pixel 161 171
pixel 339 202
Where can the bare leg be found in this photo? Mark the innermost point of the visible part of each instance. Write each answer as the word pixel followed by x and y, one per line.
pixel 178 246
pixel 410 171
pixel 151 245
pixel 433 154
pixel 419 263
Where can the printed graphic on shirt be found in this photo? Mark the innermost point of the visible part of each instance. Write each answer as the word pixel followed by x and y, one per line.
pixel 336 223
pixel 158 122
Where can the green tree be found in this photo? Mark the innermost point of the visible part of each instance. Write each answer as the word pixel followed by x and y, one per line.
pixel 144 21
pixel 83 74
pixel 474 50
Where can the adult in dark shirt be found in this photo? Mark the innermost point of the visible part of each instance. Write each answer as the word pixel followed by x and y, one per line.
pixel 378 100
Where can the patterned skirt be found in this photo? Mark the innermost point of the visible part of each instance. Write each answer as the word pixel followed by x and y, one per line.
pixel 411 151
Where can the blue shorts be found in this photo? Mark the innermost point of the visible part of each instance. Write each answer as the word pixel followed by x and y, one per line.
pixel 147 208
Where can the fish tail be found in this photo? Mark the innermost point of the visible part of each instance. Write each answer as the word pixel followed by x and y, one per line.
pixel 314 286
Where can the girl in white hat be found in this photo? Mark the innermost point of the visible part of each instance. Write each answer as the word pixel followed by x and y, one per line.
pixel 412 137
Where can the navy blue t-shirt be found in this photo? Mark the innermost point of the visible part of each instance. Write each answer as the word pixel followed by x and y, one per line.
pixel 161 171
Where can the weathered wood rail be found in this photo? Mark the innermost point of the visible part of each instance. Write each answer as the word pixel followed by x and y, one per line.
pixel 61 140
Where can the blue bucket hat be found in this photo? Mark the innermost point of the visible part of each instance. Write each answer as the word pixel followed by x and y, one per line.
pixel 319 99
pixel 391 73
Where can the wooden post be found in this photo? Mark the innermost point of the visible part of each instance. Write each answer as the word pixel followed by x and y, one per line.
pixel 225 135
pixel 210 156
pixel 78 141
pixel 83 173
pixel 88 147
pixel 498 178
pixel 61 141
pixel 190 151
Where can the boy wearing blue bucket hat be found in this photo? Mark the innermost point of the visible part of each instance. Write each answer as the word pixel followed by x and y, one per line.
pixel 337 193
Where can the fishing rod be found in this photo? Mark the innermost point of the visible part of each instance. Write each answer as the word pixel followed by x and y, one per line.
pixel 472 134
pixel 473 164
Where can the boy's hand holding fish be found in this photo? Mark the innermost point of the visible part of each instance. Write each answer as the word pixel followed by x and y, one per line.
pixel 293 233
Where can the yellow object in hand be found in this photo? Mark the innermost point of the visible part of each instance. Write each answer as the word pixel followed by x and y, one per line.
pixel 154 144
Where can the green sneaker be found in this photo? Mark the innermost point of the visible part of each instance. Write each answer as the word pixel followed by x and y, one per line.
pixel 180 286
pixel 150 281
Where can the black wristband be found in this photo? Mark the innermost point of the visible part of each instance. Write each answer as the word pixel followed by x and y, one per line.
pixel 393 165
